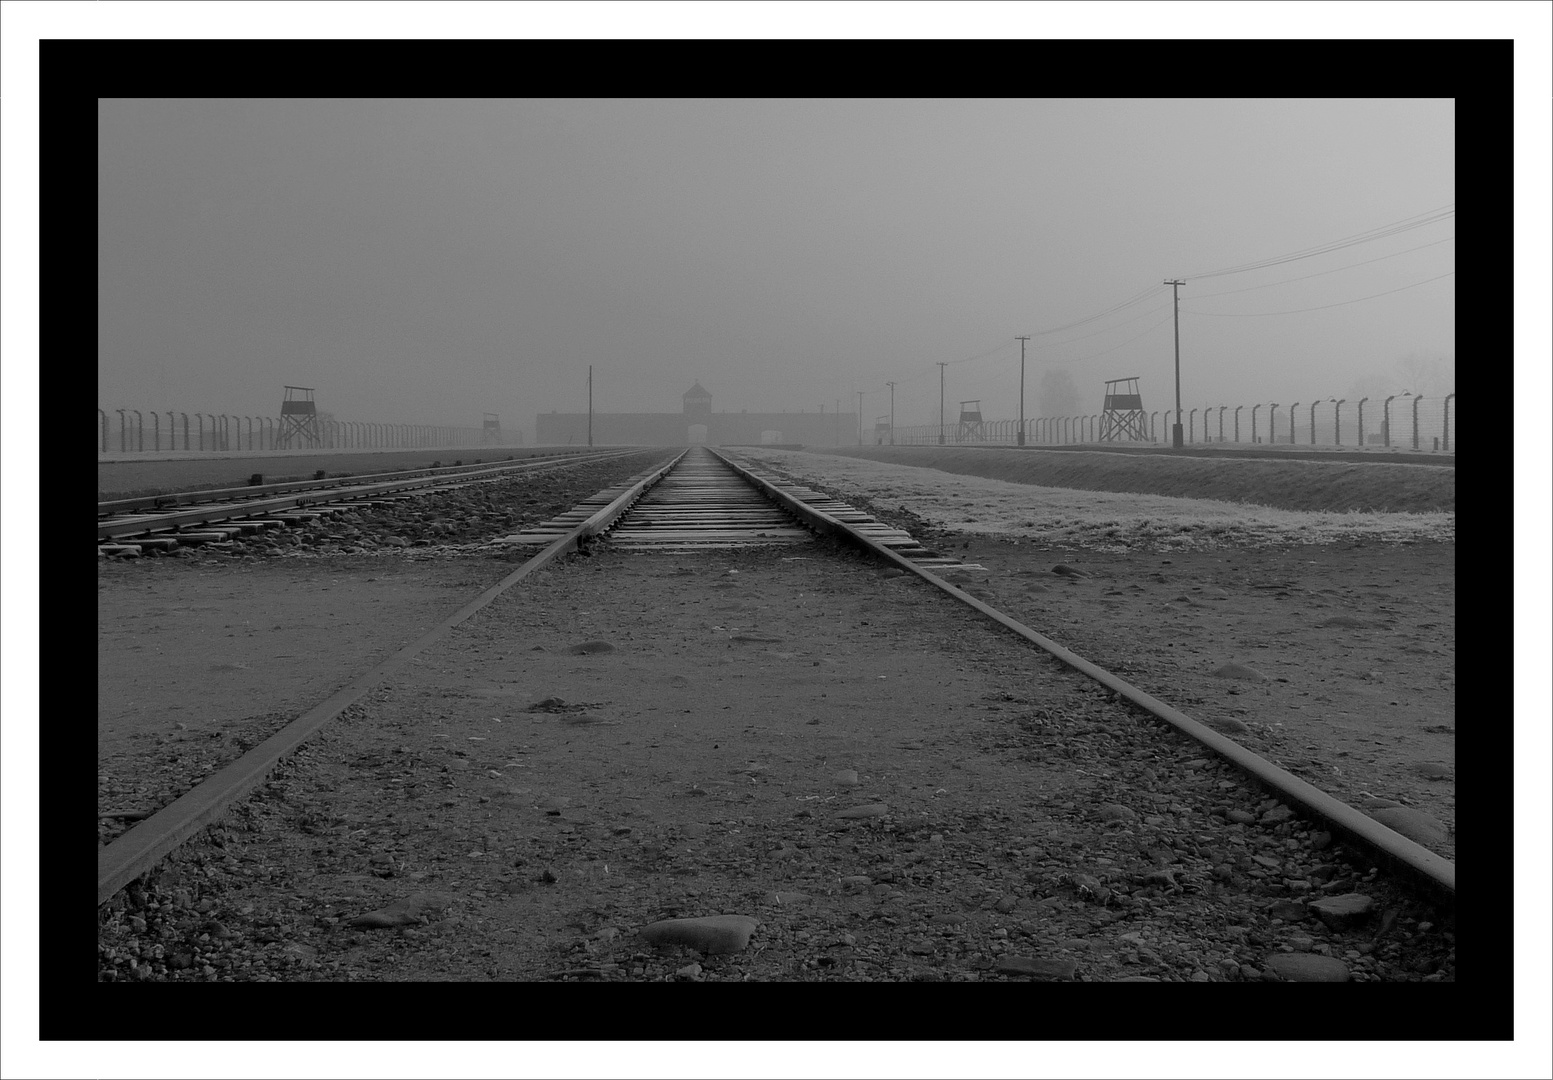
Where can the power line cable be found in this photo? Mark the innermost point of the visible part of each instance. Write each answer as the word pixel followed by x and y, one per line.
pixel 1107 330
pixel 1138 298
pixel 1417 221
pixel 1321 273
pixel 1113 348
pixel 1322 307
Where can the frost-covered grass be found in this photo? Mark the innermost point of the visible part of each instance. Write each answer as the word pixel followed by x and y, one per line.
pixel 1097 520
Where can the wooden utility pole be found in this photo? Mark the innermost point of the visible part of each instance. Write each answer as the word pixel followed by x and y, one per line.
pixel 941 365
pixel 1022 340
pixel 1175 432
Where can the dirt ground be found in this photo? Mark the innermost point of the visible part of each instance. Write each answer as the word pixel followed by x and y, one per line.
pixel 628 738
pixel 1357 643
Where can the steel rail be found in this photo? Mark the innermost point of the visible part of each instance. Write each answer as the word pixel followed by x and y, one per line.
pixel 156 502
pixel 1413 860
pixel 138 850
pixel 108 530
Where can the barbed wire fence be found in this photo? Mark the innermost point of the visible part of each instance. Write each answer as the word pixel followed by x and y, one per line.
pixel 149 431
pixel 1400 422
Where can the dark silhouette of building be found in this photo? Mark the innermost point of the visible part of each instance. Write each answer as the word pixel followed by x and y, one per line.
pixel 696 423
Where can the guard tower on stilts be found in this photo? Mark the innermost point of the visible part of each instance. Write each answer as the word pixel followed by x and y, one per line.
pixel 490 433
pixel 298 419
pixel 1123 419
pixel 970 422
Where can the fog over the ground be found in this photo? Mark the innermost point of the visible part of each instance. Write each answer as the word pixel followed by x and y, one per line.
pixel 428 261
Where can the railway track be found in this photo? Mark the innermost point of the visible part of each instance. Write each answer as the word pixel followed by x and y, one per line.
pixel 165 522
pixel 707 502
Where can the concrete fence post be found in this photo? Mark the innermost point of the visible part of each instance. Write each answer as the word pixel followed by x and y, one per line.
pixel 1447 439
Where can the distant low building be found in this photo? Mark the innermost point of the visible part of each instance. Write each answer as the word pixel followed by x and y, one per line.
pixel 697 423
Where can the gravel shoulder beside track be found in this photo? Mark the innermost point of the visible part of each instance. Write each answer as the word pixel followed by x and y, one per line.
pixel 1330 482
pixel 698 768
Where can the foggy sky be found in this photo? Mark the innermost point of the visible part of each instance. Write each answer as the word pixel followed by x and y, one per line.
pixel 427 261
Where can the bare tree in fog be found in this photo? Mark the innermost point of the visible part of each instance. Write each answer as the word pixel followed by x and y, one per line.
pixel 1058 394
pixel 1431 375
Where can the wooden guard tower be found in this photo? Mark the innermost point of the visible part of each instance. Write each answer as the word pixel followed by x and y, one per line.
pixel 491 432
pixel 970 422
pixel 881 430
pixel 1123 419
pixel 298 418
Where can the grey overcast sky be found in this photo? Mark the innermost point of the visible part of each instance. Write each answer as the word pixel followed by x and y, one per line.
pixel 428 260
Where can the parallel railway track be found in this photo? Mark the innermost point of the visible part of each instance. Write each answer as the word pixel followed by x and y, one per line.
pixel 707 500
pixel 194 517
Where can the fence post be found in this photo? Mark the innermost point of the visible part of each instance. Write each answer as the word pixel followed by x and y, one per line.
pixel 1254 408
pixel 1337 419
pixel 156 431
pixel 1385 421
pixel 1416 399
pixel 1191 425
pixel 1447 422
pixel 104 424
pixel 1312 425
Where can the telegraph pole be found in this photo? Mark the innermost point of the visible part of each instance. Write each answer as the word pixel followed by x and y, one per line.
pixel 1022 340
pixel 1175 432
pixel 590 404
pixel 892 413
pixel 941 365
